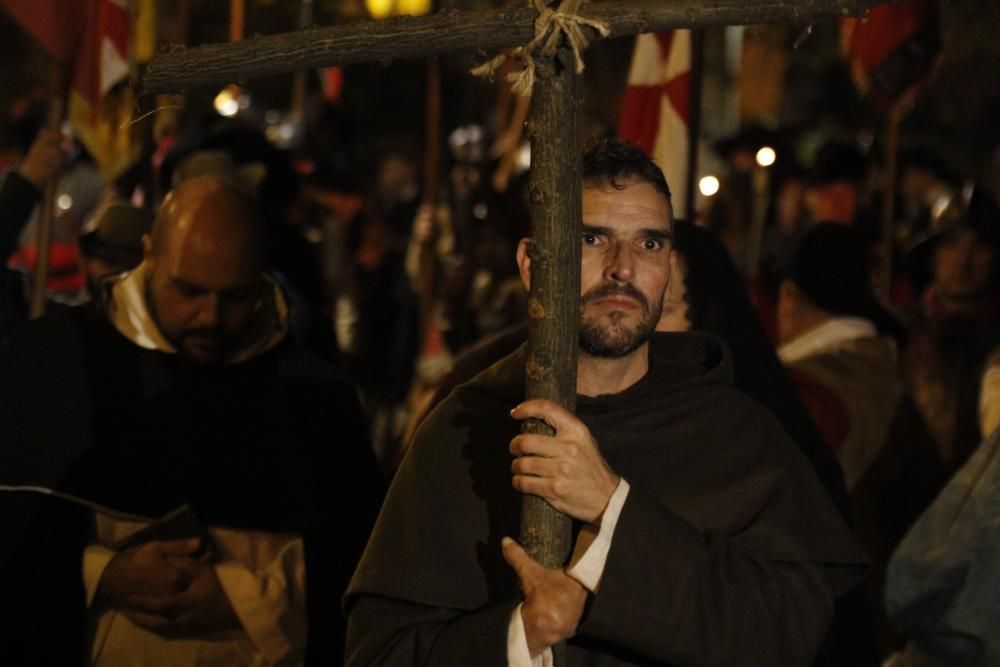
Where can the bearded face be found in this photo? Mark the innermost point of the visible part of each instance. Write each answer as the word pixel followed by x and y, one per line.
pixel 616 320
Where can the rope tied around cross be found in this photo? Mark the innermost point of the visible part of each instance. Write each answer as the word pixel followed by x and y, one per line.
pixel 550 26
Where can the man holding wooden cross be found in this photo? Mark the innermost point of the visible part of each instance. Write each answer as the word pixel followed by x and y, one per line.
pixel 700 534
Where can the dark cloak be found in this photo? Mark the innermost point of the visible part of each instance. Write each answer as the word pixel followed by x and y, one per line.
pixel 276 443
pixel 727 551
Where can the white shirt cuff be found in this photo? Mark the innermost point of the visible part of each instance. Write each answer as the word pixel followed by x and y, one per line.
pixel 590 553
pixel 518 654
pixel 95 560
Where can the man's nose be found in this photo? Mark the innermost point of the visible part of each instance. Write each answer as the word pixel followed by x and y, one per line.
pixel 620 266
pixel 210 312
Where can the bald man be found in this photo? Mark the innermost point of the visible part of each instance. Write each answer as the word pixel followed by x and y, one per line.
pixel 186 392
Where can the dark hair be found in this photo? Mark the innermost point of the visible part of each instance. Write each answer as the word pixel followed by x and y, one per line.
pixel 613 161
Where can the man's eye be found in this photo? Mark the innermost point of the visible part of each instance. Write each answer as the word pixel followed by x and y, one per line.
pixel 590 239
pixel 652 244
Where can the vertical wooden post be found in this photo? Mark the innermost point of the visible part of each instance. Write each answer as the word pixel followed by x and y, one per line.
pixel 694 120
pixel 237 20
pixel 556 202
pixel 761 179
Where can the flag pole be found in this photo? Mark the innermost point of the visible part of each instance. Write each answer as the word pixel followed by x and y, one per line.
pixel 237 22
pixel 694 119
pixel 46 218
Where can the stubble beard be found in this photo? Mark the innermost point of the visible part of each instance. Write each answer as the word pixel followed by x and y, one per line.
pixel 613 338
pixel 179 341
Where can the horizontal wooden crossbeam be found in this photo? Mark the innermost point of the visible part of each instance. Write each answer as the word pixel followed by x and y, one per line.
pixel 447 31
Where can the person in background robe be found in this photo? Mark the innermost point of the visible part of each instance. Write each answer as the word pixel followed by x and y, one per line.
pixel 701 534
pixel 840 346
pixel 708 294
pixel 184 389
pixel 956 324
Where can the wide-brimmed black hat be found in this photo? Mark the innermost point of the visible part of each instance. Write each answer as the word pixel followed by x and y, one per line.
pixel 831 265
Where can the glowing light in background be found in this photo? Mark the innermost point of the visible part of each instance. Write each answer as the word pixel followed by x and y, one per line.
pixel 64 202
pixel 227 102
pixel 413 7
pixel 380 9
pixel 708 185
pixel 766 156
pixel 524 156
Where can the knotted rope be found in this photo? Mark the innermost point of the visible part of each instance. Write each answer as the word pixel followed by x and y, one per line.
pixel 550 26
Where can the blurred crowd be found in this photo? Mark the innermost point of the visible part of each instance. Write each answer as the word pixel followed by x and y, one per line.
pixel 874 340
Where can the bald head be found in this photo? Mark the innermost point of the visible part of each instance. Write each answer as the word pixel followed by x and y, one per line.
pixel 203 262
pixel 208 216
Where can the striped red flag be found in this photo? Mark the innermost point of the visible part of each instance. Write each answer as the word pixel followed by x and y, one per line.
pixel 656 106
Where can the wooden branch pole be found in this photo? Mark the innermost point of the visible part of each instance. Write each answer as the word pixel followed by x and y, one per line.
pixel 451 30
pixel 556 201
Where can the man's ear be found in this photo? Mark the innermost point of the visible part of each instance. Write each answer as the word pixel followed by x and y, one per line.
pixel 524 262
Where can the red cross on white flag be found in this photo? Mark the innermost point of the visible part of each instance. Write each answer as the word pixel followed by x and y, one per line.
pixel 654 113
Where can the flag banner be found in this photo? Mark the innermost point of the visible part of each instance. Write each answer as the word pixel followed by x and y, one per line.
pixel 101 105
pixel 892 52
pixel 655 109
pixel 91 39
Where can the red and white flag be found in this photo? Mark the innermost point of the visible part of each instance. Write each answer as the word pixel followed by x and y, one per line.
pixel 91 39
pixel 656 106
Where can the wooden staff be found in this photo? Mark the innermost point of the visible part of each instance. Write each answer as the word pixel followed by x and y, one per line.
pixel 556 201
pixel 237 19
pixel 694 119
pixel 47 214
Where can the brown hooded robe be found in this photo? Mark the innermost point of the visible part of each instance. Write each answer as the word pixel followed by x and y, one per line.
pixel 727 551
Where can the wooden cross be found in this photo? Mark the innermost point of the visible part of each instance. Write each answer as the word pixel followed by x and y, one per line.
pixel 554 126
